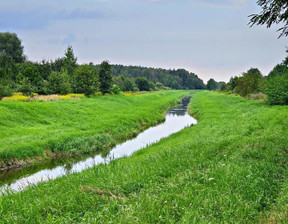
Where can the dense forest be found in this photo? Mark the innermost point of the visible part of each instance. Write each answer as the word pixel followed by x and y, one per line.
pixel 64 75
pixel 175 79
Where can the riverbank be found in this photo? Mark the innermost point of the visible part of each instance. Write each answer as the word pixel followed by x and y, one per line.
pixel 231 167
pixel 32 132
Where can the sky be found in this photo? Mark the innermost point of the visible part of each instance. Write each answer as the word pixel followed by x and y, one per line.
pixel 208 37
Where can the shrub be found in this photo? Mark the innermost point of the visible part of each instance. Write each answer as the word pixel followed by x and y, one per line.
pixel 5 90
pixel 115 89
pixel 26 87
pixel 85 80
pixel 143 84
pixel 277 90
pixel 59 83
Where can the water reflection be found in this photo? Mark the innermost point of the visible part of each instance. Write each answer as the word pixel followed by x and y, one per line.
pixel 177 118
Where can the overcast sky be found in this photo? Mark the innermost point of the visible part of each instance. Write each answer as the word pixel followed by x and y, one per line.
pixel 208 37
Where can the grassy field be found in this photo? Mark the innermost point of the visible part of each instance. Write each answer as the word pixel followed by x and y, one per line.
pixel 30 129
pixel 229 168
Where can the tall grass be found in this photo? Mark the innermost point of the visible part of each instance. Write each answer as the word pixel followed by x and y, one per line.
pixel 29 129
pixel 229 168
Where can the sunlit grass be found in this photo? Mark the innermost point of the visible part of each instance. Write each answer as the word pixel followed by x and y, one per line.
pixel 229 168
pixel 30 128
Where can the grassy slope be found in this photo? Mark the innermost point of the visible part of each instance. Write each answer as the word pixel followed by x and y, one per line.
pixel 26 129
pixel 230 168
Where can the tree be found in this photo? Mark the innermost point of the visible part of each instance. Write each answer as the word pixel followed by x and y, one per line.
pixel 142 84
pixel 11 45
pixel 70 61
pixel 273 12
pixel 211 84
pixel 127 85
pixel 5 85
pixel 277 90
pixel 160 86
pixel 279 69
pixel 30 71
pixel 59 83
pixel 85 80
pixel 175 85
pixel 26 87
pixel 105 77
pixel 249 83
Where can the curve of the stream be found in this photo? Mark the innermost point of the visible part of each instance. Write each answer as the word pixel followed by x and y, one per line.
pixel 177 118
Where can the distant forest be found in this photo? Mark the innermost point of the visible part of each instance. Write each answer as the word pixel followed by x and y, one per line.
pixel 64 75
pixel 174 79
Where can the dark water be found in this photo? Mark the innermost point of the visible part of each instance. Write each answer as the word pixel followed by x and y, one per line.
pixel 177 118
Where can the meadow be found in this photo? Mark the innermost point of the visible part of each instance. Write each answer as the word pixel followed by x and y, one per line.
pixel 229 168
pixel 31 131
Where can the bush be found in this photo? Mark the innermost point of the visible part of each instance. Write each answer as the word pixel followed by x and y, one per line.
pixel 142 84
pixel 59 83
pixel 115 89
pixel 26 87
pixel 277 90
pixel 85 80
pixel 5 90
pixel 127 85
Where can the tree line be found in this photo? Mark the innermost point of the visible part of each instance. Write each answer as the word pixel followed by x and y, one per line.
pixel 64 75
pixel 252 84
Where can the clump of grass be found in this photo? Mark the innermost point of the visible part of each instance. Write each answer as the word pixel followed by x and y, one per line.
pixel 83 145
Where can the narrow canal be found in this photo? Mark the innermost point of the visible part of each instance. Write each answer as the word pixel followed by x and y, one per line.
pixel 177 118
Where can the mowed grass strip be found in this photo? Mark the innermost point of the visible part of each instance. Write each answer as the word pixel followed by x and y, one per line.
pixel 229 168
pixel 27 129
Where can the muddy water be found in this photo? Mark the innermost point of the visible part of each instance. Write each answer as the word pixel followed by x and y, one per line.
pixel 177 118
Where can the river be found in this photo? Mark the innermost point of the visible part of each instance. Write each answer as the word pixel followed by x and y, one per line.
pixel 177 118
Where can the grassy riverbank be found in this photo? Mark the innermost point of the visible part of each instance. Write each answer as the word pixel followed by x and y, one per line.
pixel 30 129
pixel 229 168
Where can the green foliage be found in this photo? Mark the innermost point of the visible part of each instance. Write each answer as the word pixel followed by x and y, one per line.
pixel 211 84
pixel 127 85
pixel 223 87
pixel 85 80
pixel 175 85
pixel 5 88
pixel 70 61
pixel 279 69
pixel 30 71
pixel 105 77
pixel 273 12
pixel 26 87
pixel 249 83
pixel 11 45
pixel 160 86
pixel 115 89
pixel 142 84
pixel 151 86
pixel 59 83
pixel 277 90
pixel 185 79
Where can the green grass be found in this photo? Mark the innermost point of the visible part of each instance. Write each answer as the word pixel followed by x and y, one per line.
pixel 229 168
pixel 73 127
